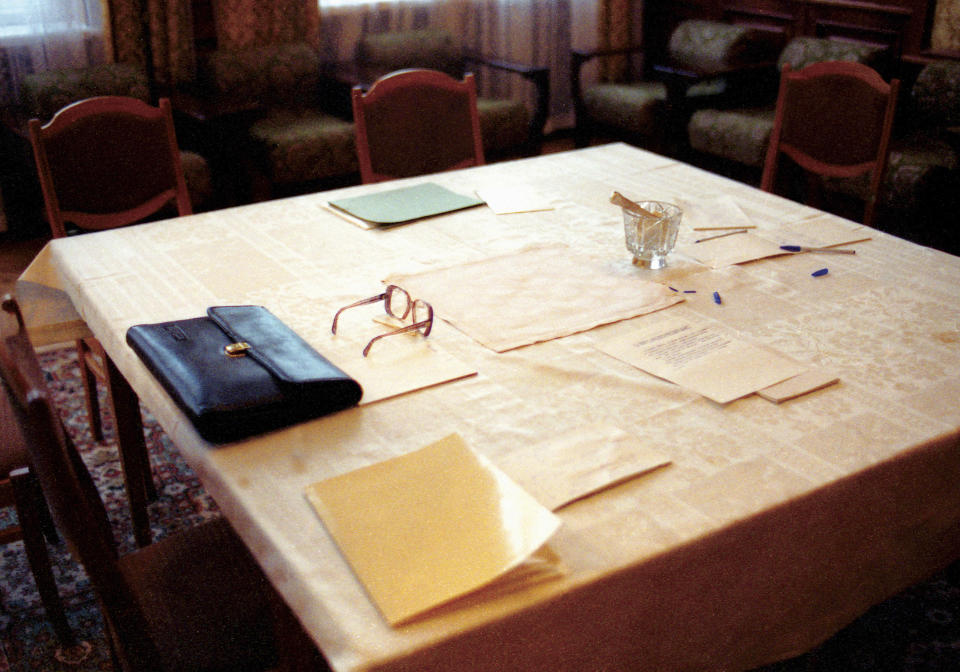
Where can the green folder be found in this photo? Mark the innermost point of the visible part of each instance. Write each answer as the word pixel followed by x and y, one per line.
pixel 405 204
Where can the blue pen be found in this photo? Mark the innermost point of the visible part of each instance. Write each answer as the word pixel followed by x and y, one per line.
pixel 828 250
pixel 716 298
pixel 822 271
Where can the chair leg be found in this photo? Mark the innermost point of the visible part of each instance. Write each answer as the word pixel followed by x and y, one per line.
pixel 133 450
pixel 99 355
pixel 31 506
pixel 91 399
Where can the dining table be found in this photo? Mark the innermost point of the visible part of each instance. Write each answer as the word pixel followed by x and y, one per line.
pixel 698 531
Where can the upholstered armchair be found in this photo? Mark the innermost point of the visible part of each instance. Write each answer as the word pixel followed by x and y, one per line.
pixel 508 126
pixel 706 62
pixel 289 139
pixel 922 190
pixel 733 139
pixel 42 94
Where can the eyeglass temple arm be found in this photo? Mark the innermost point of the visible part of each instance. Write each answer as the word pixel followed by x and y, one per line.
pixel 362 302
pixel 401 330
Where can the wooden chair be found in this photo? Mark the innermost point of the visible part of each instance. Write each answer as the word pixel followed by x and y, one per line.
pixel 195 600
pixel 833 119
pixel 103 163
pixel 20 489
pixel 414 122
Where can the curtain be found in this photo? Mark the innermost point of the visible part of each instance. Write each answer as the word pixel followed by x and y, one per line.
pixel 273 21
pixel 946 26
pixel 615 33
pixel 530 32
pixel 171 48
pixel 38 35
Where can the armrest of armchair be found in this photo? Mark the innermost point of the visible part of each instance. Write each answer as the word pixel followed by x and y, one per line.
pixel 749 84
pixel 539 76
pixel 580 57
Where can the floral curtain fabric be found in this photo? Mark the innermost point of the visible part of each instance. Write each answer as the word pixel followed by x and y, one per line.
pixel 242 24
pixel 946 26
pixel 171 37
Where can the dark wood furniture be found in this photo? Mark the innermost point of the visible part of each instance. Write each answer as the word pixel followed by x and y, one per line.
pixel 195 600
pixel 89 160
pixel 833 120
pixel 414 122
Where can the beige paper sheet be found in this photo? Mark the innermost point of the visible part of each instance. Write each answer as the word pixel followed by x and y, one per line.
pixel 427 527
pixel 396 365
pixel 718 213
pixel 567 468
pixel 804 383
pixel 820 231
pixel 541 293
pixel 513 199
pixel 702 357
pixel 729 250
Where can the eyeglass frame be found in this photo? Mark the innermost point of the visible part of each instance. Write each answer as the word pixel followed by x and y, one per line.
pixel 385 297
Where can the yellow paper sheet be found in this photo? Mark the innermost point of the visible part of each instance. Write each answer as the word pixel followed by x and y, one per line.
pixel 702 357
pixel 541 293
pixel 564 469
pixel 430 526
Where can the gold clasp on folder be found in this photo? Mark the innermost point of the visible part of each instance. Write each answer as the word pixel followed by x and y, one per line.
pixel 238 349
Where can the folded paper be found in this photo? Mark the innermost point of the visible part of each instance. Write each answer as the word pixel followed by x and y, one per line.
pixel 541 293
pixel 430 526
pixel 406 204
pixel 580 463
pixel 397 365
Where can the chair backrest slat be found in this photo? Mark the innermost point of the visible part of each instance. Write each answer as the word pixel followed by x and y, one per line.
pixel 834 120
pixel 414 122
pixel 107 162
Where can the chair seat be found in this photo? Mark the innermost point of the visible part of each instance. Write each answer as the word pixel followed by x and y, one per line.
pixel 194 616
pixel 740 135
pixel 633 107
pixel 297 146
pixel 504 124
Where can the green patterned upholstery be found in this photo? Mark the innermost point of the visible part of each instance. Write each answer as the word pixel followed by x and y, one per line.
pixel 711 46
pixel 742 135
pixel 305 145
pixel 638 108
pixel 923 179
pixel 504 123
pixel 420 48
pixel 43 93
pixel 936 94
pixel 803 51
pixel 283 75
pixel 294 141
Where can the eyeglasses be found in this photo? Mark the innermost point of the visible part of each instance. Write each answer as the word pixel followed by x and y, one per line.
pixel 398 304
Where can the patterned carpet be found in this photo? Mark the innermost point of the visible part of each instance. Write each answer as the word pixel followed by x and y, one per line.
pixel 916 631
pixel 26 641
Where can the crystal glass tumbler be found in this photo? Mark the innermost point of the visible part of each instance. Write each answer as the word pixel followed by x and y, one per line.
pixel 652 232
